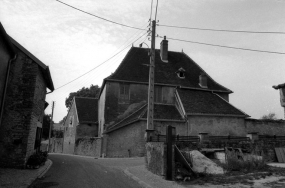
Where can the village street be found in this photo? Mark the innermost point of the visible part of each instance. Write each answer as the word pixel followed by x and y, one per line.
pixel 84 172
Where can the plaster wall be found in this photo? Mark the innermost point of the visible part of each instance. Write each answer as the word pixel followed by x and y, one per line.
pixel 265 127
pixel 216 125
pixel 70 130
pixel 127 141
pixel 101 110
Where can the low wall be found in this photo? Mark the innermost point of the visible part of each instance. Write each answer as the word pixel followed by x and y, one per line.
pixel 265 127
pixel 156 157
pixel 88 146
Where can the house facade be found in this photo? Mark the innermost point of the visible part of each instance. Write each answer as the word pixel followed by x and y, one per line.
pixel 81 128
pixel 185 97
pixel 23 101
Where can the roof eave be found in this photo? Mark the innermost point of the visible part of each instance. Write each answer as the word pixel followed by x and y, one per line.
pixel 227 115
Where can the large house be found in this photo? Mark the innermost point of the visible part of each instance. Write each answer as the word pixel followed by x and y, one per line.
pixel 186 97
pixel 24 81
pixel 81 124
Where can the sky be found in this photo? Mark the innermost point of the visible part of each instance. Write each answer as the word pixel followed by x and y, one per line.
pixel 73 43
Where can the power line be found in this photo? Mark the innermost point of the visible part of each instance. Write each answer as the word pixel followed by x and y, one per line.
pixel 99 64
pixel 100 17
pixel 136 34
pixel 223 30
pixel 222 46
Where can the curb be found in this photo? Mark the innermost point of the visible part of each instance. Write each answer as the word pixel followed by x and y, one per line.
pixel 142 183
pixel 39 175
pixel 42 173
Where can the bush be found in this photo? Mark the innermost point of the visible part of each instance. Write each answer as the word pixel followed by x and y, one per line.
pixel 37 159
pixel 233 163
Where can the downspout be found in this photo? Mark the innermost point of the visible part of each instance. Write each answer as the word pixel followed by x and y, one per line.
pixel 5 88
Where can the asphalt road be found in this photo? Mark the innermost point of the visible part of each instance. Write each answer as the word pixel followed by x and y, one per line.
pixel 86 172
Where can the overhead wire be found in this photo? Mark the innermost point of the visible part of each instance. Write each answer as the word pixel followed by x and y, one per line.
pixel 136 34
pixel 223 30
pixel 99 64
pixel 222 46
pixel 124 25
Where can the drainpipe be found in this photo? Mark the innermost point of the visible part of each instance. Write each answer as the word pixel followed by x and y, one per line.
pixel 5 87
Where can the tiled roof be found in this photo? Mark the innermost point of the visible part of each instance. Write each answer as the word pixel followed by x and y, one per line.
pixel 206 102
pixel 165 112
pixel 161 112
pixel 129 119
pixel 134 68
pixel 87 109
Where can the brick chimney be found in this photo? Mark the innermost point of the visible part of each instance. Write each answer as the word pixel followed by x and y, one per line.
pixel 203 80
pixel 164 50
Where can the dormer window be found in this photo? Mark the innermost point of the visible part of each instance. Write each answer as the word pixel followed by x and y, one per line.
pixel 203 80
pixel 181 73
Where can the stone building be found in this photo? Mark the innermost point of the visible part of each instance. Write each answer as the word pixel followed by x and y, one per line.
pixel 81 128
pixel 185 97
pixel 22 101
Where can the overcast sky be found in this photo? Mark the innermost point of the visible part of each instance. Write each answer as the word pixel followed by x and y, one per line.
pixel 72 43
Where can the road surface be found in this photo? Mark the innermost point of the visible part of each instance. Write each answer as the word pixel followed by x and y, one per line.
pixel 73 171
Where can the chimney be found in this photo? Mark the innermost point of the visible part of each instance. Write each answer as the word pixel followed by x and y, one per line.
pixel 164 50
pixel 203 80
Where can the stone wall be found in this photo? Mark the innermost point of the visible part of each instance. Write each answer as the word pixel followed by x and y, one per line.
pixel 70 126
pixel 156 157
pixel 217 125
pixel 127 141
pixel 265 127
pixel 88 146
pixel 23 108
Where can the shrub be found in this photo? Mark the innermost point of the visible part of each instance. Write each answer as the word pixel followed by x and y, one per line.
pixel 233 163
pixel 37 159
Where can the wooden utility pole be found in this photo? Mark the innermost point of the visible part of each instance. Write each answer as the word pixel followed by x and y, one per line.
pixel 150 126
pixel 50 126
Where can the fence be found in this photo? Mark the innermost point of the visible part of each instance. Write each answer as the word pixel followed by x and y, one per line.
pixel 177 138
pixel 271 137
pixel 228 138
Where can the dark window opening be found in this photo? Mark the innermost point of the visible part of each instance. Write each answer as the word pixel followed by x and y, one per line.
pixel 158 94
pixel 124 94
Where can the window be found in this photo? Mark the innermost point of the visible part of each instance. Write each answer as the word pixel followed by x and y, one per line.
pixel 124 95
pixel 158 94
pixel 181 73
pixel 71 121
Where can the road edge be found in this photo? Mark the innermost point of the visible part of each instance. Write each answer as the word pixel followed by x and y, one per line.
pixel 142 183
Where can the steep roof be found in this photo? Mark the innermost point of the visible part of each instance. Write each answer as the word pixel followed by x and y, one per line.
pixel 14 45
pixel 87 109
pixel 134 68
pixel 162 112
pixel 206 103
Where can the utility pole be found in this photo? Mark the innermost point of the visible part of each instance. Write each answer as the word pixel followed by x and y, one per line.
pixel 150 108
pixel 50 126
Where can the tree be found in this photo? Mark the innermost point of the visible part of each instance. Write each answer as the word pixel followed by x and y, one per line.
pixel 92 92
pixel 46 126
pixel 63 119
pixel 270 116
